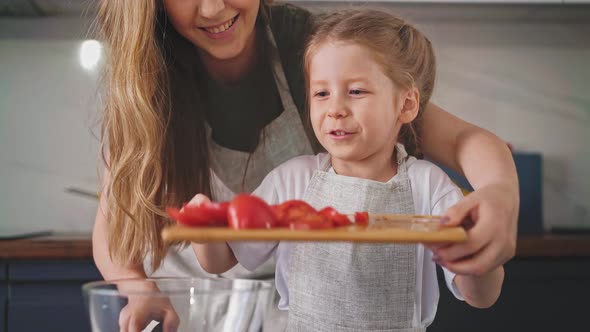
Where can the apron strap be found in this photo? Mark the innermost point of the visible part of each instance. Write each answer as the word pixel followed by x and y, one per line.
pixel 279 73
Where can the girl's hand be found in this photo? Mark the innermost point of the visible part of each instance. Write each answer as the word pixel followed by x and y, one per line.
pixel 489 215
pixel 142 309
pixel 199 199
pixel 216 257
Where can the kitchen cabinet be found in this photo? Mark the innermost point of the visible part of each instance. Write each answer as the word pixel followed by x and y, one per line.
pixel 546 287
pixel 48 290
pixel 3 296
pixel 538 295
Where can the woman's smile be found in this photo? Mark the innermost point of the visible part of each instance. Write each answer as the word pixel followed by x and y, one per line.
pixel 222 30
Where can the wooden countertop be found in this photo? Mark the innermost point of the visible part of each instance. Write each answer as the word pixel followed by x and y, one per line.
pixel 56 246
pixel 79 246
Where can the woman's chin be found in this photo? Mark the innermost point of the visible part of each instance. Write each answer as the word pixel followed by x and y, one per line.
pixel 228 52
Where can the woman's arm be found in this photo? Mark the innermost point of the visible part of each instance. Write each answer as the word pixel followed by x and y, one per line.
pixel 140 310
pixel 100 245
pixel 475 152
pixel 487 163
pixel 481 291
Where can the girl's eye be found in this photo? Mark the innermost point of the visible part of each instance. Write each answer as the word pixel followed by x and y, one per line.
pixel 356 92
pixel 321 94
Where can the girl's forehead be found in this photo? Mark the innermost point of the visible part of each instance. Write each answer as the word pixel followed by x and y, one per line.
pixel 333 43
pixel 342 53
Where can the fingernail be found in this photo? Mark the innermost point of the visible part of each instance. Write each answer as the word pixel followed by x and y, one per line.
pixel 445 220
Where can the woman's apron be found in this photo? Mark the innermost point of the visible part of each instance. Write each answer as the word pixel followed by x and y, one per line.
pixel 283 139
pixel 351 286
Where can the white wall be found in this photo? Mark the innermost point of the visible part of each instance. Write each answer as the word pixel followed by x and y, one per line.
pixel 48 109
pixel 529 84
pixel 525 77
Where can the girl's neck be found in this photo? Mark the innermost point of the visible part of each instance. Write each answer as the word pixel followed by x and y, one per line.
pixel 232 70
pixel 381 170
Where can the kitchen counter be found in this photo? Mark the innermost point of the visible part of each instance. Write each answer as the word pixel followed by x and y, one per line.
pixel 56 246
pixel 76 246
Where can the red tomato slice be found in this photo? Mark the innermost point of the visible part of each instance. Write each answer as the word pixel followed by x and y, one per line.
pixel 249 211
pixel 206 214
pixel 361 218
pixel 311 221
pixel 337 218
pixel 174 213
pixel 292 210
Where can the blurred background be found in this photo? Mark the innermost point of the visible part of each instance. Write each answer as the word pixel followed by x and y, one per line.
pixel 520 69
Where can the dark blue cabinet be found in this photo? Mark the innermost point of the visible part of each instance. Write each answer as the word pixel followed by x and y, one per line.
pixel 537 295
pixel 47 296
pixel 3 296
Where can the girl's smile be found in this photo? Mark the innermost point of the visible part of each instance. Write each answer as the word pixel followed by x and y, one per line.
pixel 341 134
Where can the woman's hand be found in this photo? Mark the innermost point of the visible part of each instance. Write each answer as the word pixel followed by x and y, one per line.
pixel 142 309
pixel 489 215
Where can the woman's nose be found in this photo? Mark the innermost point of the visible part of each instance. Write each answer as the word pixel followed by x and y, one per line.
pixel 210 8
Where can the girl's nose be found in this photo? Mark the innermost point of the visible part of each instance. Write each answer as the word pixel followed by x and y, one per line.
pixel 210 8
pixel 338 108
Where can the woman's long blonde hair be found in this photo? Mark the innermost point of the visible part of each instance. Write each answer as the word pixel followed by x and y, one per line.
pixel 153 139
pixel 404 54
pixel 134 129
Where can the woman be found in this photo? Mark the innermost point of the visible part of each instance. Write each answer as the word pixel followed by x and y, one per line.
pixel 207 96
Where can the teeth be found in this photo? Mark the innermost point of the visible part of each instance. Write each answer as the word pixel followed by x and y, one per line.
pixel 221 28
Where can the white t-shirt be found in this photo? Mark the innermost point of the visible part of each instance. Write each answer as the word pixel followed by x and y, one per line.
pixel 433 193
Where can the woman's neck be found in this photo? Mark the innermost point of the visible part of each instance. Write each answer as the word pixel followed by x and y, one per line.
pixel 381 169
pixel 232 70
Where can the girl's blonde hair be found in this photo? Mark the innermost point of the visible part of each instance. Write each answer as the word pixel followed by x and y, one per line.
pixel 404 54
pixel 153 137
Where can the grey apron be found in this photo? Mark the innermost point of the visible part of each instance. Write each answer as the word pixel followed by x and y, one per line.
pixel 352 286
pixel 283 139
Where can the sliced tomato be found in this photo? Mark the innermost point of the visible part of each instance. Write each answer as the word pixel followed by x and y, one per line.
pixel 249 211
pixel 205 214
pixel 311 221
pixel 208 212
pixel 337 218
pixel 361 218
pixel 174 213
pixel 292 210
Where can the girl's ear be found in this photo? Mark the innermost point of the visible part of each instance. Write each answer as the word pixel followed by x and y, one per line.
pixel 410 106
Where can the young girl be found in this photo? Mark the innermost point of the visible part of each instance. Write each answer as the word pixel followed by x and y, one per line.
pixel 369 77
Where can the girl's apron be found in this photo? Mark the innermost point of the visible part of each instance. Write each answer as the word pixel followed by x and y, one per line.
pixel 348 286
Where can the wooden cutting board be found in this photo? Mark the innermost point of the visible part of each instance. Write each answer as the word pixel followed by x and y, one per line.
pixel 382 229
